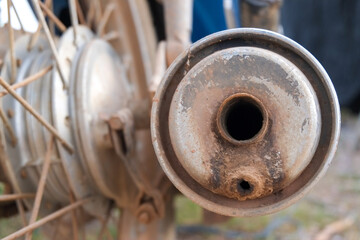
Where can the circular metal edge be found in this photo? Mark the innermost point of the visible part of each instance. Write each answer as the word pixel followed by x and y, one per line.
pixel 184 59
pixel 79 182
pixel 22 54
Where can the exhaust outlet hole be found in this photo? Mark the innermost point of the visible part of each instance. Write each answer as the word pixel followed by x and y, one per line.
pixel 244 120
pixel 244 187
pixel 241 118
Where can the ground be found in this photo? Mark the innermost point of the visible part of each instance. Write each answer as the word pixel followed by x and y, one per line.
pixel 336 198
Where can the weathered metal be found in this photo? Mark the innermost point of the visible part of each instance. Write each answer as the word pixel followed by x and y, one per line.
pixel 238 122
pixel 18 157
pixel 245 122
pixel 96 92
pixel 11 41
pixel 94 78
pixel 69 50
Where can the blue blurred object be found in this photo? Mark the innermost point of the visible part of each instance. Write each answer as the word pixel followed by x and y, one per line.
pixel 208 17
pixel 329 29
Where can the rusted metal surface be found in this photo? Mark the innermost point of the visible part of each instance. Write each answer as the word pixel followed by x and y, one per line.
pixel 238 122
pixel 131 228
pixel 213 122
pixel 97 93
pixel 245 122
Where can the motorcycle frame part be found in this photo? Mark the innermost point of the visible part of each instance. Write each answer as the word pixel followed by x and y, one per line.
pixel 10 167
pixel 145 158
pixel 178 26
pixel 263 14
pixel 320 82
pixel 149 201
pixel 69 49
pixel 145 136
pixel 136 43
pixel 230 13
pixel 88 99
pixel 149 142
pixel 134 228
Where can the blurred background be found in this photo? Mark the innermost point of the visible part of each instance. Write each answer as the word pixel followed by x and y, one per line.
pixel 330 30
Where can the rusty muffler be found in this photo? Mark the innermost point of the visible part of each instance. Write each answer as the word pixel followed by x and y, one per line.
pixel 245 122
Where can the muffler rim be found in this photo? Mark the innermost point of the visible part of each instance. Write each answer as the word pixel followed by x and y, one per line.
pixel 324 90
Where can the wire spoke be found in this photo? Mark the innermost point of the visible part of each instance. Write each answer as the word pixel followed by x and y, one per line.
pixel 41 186
pixel 49 4
pixel 105 18
pixel 12 49
pixel 17 16
pixel 47 219
pixel 15 196
pixel 72 200
pixel 94 17
pixel 28 80
pixel 80 13
pixel 31 110
pixel 50 40
pixel 20 207
pixel 104 224
pixel 53 17
pixel 111 36
pixel 73 218
pixel 82 225
pixel 57 226
pixel 90 15
pixel 98 11
pixel 8 127
pixel 74 17
pixel 34 37
pixel 5 161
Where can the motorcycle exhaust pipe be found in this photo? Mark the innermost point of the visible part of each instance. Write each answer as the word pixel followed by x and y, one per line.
pixel 245 122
